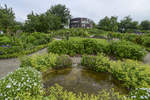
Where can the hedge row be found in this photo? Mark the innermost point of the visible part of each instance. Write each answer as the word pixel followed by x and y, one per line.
pixel 131 73
pixel 138 39
pixel 25 52
pixel 119 49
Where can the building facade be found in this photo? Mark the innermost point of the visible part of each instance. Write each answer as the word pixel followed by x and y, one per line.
pixel 81 23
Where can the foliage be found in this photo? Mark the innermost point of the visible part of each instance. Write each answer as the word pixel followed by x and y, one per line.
pixel 58 93
pixel 42 22
pixel 127 25
pixel 7 19
pixel 62 12
pixel 21 81
pixel 108 24
pixel 70 32
pixel 125 49
pixel 78 46
pixel 4 40
pixel 141 94
pixel 25 43
pixel 24 52
pixel 145 25
pixel 46 61
pixel 132 74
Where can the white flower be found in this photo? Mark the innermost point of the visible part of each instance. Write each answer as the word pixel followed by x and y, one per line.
pixel 8 86
pixel 142 97
pixel 35 84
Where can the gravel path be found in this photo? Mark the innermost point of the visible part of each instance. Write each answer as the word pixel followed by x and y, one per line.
pixel 10 65
pixel 147 59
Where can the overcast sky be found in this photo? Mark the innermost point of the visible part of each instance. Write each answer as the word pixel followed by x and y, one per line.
pixel 93 9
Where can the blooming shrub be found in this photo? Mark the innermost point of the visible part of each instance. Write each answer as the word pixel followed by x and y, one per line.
pixel 141 94
pixel 23 80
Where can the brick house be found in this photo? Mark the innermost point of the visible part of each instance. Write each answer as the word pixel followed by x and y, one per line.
pixel 81 23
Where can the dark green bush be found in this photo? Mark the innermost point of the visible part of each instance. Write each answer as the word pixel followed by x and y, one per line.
pixel 125 49
pixel 78 46
pixel 132 74
pixel 146 41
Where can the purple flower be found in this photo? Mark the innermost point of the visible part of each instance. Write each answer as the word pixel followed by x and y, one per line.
pixel 5 46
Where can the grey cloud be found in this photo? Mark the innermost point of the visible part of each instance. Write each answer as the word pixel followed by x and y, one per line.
pixel 94 9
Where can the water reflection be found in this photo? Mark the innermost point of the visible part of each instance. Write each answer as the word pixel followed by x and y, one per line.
pixel 81 80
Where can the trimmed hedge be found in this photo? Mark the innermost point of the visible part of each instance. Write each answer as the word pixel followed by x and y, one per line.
pixel 78 46
pixel 119 49
pixel 25 52
pixel 125 49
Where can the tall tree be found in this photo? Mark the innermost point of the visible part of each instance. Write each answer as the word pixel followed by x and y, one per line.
pixel 7 19
pixel 62 12
pixel 145 25
pixel 42 22
pixel 108 24
pixel 128 25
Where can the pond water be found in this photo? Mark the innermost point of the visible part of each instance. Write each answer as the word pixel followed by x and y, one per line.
pixel 77 79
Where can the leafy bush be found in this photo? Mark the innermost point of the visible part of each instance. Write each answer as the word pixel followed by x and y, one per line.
pixel 4 40
pixel 58 93
pixel 21 81
pixel 141 94
pixel 70 32
pixel 146 41
pixel 17 54
pixel 78 46
pixel 125 49
pixel 133 74
pixel 46 61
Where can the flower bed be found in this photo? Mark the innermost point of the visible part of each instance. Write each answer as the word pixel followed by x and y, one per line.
pixel 23 80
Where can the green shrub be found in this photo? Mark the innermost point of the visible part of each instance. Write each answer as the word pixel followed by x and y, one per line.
pixel 78 46
pixel 125 49
pixel 146 41
pixel 132 74
pixel 58 93
pixel 4 40
pixel 46 61
pixel 141 94
pixel 6 55
pixel 21 81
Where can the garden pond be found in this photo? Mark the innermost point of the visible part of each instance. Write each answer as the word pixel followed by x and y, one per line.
pixel 78 79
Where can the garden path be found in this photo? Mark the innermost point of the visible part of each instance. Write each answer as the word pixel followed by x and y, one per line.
pixel 146 59
pixel 10 65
